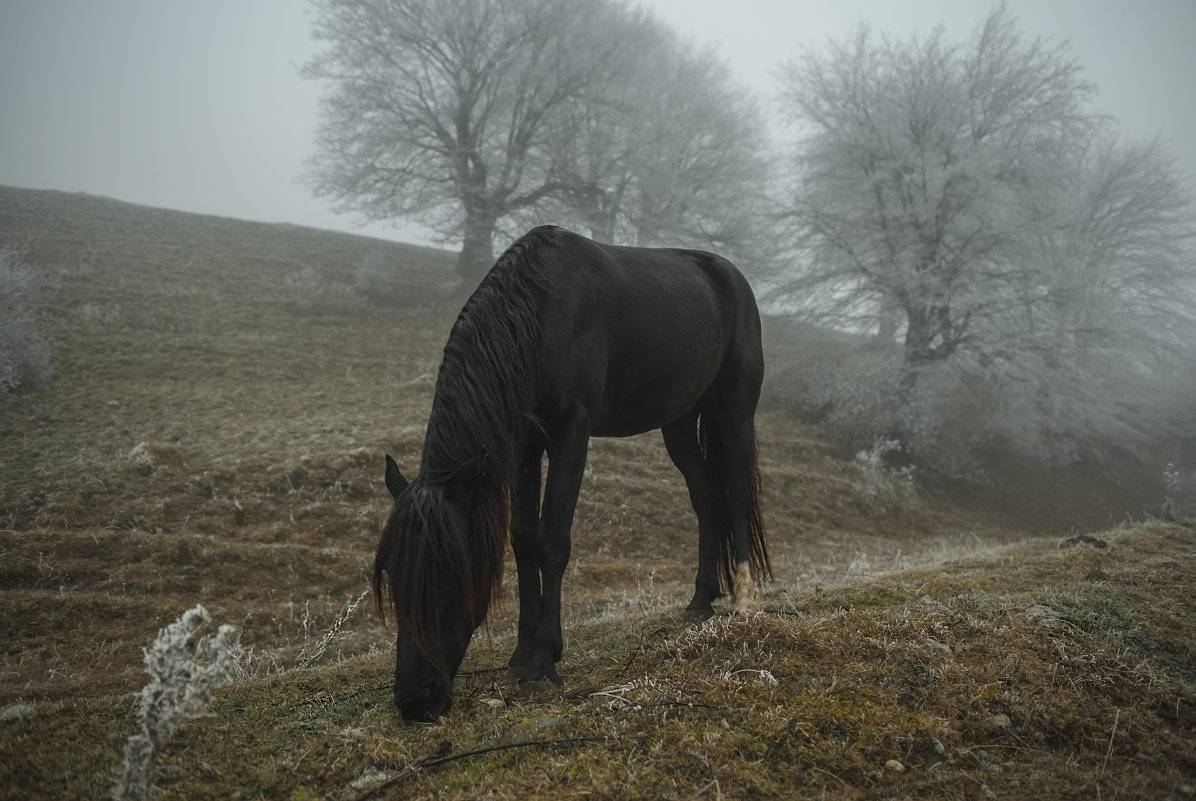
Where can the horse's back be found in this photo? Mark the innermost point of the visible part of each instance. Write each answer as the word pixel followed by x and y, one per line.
pixel 639 334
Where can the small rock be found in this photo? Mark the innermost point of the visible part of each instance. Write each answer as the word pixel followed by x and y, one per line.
pixel 359 733
pixel 493 703
pixel 1000 721
pixel 935 644
pixel 939 748
pixel 372 779
pixel 526 731
pixel 210 772
pixel 894 766
pixel 1043 611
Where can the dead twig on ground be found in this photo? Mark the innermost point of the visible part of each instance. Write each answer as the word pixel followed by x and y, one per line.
pixel 442 755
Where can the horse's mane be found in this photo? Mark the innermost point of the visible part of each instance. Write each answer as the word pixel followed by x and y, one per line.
pixel 480 414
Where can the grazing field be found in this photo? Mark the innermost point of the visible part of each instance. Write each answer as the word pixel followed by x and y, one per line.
pixel 223 397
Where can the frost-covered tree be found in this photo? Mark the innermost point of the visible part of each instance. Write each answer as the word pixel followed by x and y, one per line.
pixel 963 202
pixel 439 110
pixel 477 117
pixel 917 161
pixel 1100 334
pixel 676 157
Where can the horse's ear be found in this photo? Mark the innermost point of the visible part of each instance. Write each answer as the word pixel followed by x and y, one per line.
pixel 394 479
pixel 461 483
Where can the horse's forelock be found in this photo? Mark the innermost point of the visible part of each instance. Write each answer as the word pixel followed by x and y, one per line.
pixel 423 543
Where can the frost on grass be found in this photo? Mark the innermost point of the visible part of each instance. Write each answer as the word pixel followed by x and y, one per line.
pixel 184 668
pixel 725 657
pixel 309 656
pixel 738 649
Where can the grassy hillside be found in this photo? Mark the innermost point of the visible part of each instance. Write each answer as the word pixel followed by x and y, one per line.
pixel 224 393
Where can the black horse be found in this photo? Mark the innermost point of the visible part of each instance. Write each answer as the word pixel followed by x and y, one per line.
pixel 565 339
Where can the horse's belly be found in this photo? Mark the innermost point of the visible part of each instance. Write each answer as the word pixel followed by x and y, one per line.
pixel 633 404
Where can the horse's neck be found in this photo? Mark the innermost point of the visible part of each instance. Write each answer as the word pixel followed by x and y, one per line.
pixel 484 392
pixel 452 438
pixel 465 424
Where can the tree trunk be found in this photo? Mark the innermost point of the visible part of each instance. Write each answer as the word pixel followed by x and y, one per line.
pixel 477 248
pixel 890 321
pixel 919 336
pixel 930 336
pixel 602 225
pixel 918 351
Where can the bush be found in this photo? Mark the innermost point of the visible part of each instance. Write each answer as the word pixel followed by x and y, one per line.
pixel 379 278
pixel 880 487
pixel 312 291
pixel 394 278
pixel 24 357
pixel 184 668
pixel 851 388
pixel 959 419
pixel 1179 498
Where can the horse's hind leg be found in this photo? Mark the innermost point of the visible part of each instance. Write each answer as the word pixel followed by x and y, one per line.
pixel 681 441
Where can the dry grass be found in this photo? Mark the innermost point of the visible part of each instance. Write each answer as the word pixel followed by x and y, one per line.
pixel 215 432
pixel 1024 672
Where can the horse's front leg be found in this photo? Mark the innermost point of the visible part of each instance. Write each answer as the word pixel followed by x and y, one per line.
pixel 566 464
pixel 525 522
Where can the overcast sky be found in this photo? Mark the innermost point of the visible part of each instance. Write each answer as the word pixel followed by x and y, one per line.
pixel 198 106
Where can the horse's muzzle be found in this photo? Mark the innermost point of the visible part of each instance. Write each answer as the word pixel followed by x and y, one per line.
pixel 427 705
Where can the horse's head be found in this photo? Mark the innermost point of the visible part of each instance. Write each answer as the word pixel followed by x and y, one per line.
pixel 426 554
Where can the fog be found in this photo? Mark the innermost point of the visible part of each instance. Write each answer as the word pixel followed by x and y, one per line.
pixel 200 107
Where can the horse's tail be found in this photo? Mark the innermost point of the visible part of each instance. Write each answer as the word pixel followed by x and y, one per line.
pixel 758 549
pixel 714 449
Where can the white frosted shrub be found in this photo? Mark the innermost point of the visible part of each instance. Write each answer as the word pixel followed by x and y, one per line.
pixel 24 356
pixel 879 486
pixel 184 669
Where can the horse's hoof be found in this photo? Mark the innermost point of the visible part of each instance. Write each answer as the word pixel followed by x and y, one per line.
pixel 746 606
pixel 541 678
pixel 515 673
pixel 539 687
pixel 746 600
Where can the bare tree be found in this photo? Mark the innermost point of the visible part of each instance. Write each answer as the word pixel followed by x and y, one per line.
pixel 965 203
pixel 701 165
pixel 439 110
pixel 1104 322
pixel 916 163
pixel 676 156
